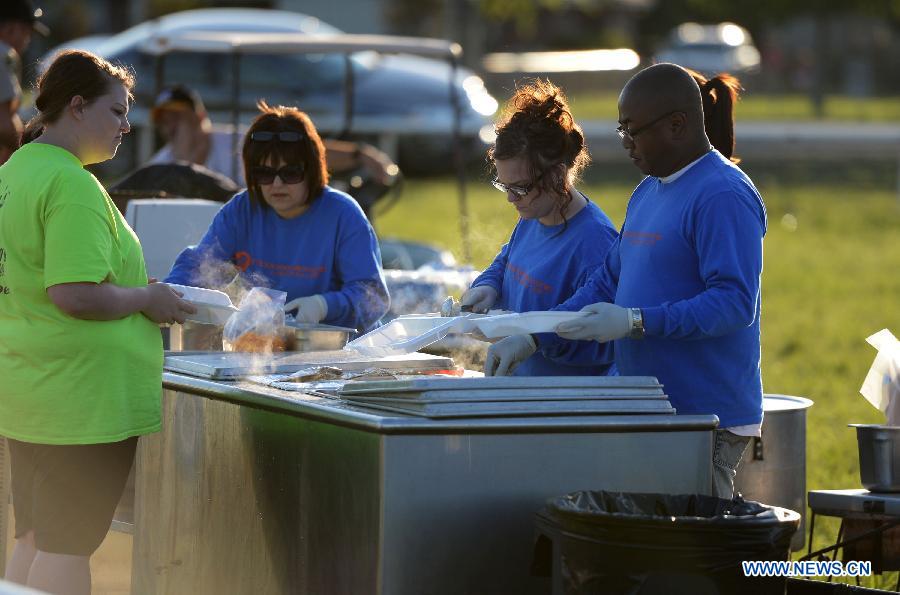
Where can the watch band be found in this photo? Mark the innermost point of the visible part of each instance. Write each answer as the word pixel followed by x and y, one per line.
pixel 637 324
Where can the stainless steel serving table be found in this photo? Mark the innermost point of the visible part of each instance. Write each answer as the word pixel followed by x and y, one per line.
pixel 250 489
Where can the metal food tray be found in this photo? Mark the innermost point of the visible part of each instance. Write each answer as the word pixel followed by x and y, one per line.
pixel 230 365
pixel 519 409
pixel 503 382
pixel 509 394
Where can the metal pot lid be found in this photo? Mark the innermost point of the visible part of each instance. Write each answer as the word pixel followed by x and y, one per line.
pixel 772 403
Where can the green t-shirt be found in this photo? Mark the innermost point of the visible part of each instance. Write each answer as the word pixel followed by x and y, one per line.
pixel 64 380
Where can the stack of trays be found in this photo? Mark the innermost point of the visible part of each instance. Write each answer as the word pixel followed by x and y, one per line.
pixel 233 365
pixel 512 396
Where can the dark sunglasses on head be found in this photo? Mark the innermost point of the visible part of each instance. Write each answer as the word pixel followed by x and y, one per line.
pixel 285 137
pixel 289 174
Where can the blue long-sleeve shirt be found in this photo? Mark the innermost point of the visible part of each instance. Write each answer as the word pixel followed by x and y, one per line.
pixel 690 256
pixel 538 269
pixel 329 250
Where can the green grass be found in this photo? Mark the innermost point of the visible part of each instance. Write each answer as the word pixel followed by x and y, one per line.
pixel 829 282
pixel 602 105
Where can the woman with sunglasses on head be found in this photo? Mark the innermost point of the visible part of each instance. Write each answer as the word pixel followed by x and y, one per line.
pixel 560 238
pixel 291 232
pixel 80 349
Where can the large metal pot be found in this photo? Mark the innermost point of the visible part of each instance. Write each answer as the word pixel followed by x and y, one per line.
pixel 773 470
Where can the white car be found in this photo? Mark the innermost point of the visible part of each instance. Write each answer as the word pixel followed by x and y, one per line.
pixel 711 49
pixel 391 93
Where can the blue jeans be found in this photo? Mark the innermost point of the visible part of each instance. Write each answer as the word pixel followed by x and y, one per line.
pixel 727 453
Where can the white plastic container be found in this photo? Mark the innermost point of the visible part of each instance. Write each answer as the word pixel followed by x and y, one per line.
pixel 408 334
pixel 505 325
pixel 213 307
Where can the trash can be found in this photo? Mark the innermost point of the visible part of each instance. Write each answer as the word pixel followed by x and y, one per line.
pixel 643 544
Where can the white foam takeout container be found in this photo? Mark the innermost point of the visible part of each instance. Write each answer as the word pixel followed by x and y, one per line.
pixel 408 334
pixel 519 323
pixel 213 307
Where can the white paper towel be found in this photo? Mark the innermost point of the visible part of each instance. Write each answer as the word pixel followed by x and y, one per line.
pixel 882 384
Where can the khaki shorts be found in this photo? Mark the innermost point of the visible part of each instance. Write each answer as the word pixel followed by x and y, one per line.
pixel 67 494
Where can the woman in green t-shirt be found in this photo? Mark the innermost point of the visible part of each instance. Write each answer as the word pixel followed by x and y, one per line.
pixel 80 348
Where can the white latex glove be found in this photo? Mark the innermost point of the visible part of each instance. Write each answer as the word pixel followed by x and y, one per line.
pixel 310 309
pixel 606 322
pixel 480 298
pixel 503 356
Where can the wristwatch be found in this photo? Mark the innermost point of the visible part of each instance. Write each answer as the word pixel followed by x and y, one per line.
pixel 637 324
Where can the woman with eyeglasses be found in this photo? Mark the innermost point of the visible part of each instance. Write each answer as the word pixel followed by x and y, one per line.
pixel 290 231
pixel 560 238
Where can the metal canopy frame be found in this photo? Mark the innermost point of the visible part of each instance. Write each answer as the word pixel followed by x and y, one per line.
pixel 239 44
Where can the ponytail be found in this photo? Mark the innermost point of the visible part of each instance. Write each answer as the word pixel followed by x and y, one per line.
pixel 720 93
pixel 33 129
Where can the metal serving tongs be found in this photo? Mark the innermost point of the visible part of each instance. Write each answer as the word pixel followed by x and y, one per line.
pixel 452 307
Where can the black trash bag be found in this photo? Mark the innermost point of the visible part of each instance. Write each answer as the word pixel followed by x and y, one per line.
pixel 628 543
pixel 187 180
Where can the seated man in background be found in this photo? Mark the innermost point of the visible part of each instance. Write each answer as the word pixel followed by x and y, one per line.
pixel 18 19
pixel 181 119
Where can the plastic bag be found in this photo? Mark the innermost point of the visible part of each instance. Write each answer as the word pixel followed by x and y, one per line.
pixel 261 311
pixel 882 384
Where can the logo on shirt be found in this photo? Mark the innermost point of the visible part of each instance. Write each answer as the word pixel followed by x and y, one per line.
pixel 244 260
pixel 4 290
pixel 641 238
pixel 527 281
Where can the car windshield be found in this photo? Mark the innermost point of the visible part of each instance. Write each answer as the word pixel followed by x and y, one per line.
pixel 210 21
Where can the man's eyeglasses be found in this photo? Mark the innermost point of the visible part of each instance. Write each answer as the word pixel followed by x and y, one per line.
pixel 285 137
pixel 517 191
pixel 623 132
pixel 289 174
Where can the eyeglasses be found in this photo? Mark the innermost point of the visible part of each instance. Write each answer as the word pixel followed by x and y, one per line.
pixel 517 191
pixel 624 132
pixel 285 137
pixel 289 174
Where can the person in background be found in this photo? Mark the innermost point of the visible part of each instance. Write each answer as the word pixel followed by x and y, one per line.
pixel 560 238
pixel 18 18
pixel 679 291
pixel 182 121
pixel 80 348
pixel 290 231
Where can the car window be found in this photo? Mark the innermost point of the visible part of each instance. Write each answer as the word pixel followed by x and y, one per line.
pixel 312 79
pixel 299 75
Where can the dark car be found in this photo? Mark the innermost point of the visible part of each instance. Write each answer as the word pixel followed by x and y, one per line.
pixel 399 97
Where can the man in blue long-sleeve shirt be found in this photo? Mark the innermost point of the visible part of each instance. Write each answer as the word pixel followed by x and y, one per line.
pixel 679 292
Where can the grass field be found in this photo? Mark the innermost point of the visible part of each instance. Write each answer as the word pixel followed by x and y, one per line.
pixel 831 278
pixel 602 105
